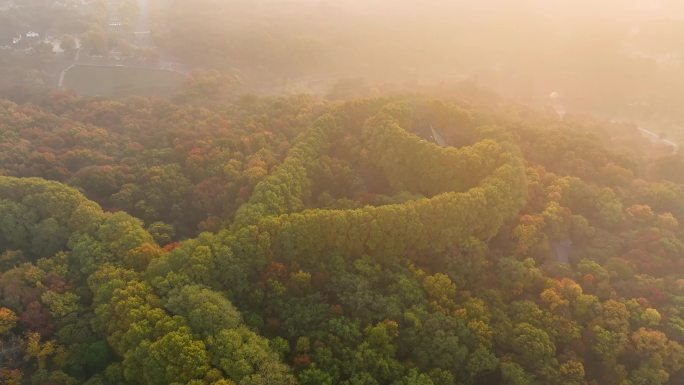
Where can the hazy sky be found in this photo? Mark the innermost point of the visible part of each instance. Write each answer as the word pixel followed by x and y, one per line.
pixel 607 55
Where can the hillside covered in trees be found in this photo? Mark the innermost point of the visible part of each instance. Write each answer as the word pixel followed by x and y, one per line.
pixel 300 241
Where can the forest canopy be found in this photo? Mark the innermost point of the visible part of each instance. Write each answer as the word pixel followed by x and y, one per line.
pixel 325 192
pixel 363 253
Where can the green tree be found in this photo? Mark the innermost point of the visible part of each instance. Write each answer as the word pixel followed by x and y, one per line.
pixel 176 357
pixel 533 345
pixel 216 313
pixel 314 376
pixel 67 43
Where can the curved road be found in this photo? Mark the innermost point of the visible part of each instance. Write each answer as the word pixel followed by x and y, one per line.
pixel 655 138
pixel 650 135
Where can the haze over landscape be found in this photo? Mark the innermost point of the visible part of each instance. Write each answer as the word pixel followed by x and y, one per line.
pixel 341 192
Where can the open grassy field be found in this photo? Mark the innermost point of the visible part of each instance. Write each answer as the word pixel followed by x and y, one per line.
pixel 112 81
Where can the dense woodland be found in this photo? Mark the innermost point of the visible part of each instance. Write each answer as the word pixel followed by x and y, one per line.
pixel 189 167
pixel 301 241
